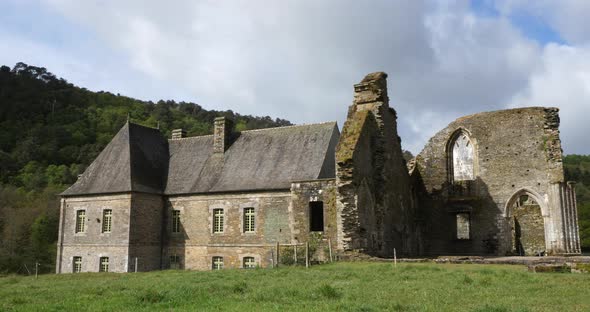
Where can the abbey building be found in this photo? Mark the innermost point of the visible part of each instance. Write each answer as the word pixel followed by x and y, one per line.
pixel 488 184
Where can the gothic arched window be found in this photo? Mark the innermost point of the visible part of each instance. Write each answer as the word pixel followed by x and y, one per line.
pixel 462 157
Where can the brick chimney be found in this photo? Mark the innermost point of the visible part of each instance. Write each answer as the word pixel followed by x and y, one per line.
pixel 222 131
pixel 178 134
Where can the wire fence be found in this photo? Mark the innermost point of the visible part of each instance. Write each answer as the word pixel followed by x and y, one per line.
pixel 304 254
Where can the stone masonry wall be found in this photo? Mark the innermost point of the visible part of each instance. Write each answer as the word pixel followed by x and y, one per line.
pixel 302 193
pixel 145 235
pixel 375 208
pixel 516 150
pixel 93 244
pixel 196 243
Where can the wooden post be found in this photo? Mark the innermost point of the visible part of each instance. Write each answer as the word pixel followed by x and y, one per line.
pixel 135 264
pixel 272 258
pixel 330 248
pixel 307 254
pixel 278 246
pixel 394 258
pixel 36 269
pixel 295 254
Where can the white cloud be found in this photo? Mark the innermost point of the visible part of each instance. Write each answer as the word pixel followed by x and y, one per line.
pixel 298 59
pixel 562 79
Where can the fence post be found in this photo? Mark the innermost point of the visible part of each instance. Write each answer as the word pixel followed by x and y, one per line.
pixel 330 248
pixel 307 254
pixel 394 258
pixel 36 269
pixel 295 254
pixel 278 254
pixel 272 258
pixel 135 264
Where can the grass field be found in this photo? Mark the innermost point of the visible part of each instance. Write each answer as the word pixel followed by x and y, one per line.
pixel 337 287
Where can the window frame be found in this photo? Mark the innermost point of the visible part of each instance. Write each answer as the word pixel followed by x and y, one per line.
pixel 249 217
pixel 450 155
pixel 174 262
pixel 80 226
pixel 175 227
pixel 217 263
pixel 107 221
pixel 249 262
pixel 218 223
pixel 313 206
pixel 468 219
pixel 103 264
pixel 77 264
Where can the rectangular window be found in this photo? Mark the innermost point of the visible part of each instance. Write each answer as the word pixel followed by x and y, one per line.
pixel 249 219
pixel 175 221
pixel 175 262
pixel 107 219
pixel 81 221
pixel 104 264
pixel 249 263
pixel 316 216
pixel 463 225
pixel 77 265
pixel 217 220
pixel 217 263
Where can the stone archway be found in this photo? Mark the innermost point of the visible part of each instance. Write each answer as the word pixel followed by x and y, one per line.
pixel 526 218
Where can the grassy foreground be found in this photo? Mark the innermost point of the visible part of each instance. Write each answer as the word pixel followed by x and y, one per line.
pixel 340 286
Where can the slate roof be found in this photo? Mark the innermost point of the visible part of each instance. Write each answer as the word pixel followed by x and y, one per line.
pixel 136 159
pixel 140 159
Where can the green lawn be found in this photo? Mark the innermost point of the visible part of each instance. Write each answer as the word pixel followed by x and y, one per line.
pixel 341 287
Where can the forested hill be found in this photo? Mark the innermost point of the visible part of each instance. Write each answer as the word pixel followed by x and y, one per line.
pixel 47 121
pixel 50 132
pixel 577 168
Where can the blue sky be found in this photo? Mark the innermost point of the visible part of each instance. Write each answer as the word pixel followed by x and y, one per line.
pixel 298 59
pixel 530 24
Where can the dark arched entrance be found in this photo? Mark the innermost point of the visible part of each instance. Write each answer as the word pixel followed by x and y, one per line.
pixel 527 225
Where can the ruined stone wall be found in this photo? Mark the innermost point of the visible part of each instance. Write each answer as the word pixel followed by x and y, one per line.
pixel 302 193
pixel 196 244
pixel 93 244
pixel 375 210
pixel 516 150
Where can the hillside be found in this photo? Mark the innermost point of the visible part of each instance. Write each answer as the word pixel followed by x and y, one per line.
pixel 577 168
pixel 51 131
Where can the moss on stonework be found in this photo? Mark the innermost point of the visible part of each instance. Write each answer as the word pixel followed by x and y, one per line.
pixel 329 197
pixel 350 135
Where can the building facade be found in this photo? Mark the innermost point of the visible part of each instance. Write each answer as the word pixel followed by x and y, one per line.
pixel 488 184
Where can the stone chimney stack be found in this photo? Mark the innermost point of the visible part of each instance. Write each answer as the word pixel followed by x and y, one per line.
pixel 178 134
pixel 371 94
pixel 371 91
pixel 222 131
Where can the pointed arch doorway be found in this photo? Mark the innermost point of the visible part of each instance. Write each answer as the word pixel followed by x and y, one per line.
pixel 525 216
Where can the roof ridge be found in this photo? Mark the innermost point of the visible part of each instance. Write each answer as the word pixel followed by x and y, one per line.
pixel 192 137
pixel 129 147
pixel 143 126
pixel 263 129
pixel 292 126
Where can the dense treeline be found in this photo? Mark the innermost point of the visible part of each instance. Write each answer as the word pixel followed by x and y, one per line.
pixel 50 132
pixel 577 168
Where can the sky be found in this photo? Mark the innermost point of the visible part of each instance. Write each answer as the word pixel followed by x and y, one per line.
pixel 299 59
